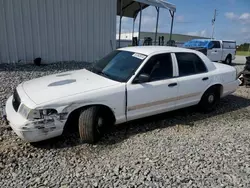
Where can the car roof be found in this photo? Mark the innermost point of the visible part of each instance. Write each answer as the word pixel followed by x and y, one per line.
pixel 147 50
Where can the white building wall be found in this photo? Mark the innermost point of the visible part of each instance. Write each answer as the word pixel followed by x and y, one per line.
pixel 56 30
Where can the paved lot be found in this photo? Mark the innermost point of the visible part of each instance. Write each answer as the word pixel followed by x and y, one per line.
pixel 184 148
pixel 240 60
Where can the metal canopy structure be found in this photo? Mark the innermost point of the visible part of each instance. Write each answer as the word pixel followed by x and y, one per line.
pixel 131 9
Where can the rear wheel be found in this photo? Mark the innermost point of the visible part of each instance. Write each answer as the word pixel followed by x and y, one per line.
pixel 91 124
pixel 228 60
pixel 210 99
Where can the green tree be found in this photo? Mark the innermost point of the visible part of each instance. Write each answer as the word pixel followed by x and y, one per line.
pixel 243 47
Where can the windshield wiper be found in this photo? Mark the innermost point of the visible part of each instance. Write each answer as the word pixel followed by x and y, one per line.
pixel 93 69
pixel 103 74
pixel 99 72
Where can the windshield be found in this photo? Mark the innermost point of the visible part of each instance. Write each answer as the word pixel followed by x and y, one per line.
pixel 118 65
pixel 197 43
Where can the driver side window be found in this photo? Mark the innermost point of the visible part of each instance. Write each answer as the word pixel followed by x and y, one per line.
pixel 214 44
pixel 158 67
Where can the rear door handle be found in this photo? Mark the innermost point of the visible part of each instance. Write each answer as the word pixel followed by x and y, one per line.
pixel 204 79
pixel 172 85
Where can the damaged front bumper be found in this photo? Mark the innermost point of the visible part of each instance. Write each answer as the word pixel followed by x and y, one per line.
pixel 32 131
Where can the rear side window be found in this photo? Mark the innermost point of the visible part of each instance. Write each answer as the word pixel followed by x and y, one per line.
pixel 190 64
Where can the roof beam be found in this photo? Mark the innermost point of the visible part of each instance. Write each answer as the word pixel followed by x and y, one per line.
pixel 128 5
pixel 159 3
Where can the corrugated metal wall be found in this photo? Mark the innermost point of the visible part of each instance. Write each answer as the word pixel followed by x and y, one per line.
pixel 56 30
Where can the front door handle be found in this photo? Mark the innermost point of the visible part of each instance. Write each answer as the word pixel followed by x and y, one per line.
pixel 172 85
pixel 204 79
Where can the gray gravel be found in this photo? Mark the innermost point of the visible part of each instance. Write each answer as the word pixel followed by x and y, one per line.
pixel 177 149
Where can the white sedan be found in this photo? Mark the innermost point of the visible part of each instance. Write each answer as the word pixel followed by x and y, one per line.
pixel 128 84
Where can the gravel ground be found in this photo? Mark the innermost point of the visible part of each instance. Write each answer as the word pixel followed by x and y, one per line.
pixel 178 149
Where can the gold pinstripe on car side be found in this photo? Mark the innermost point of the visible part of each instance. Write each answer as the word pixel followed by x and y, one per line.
pixel 147 105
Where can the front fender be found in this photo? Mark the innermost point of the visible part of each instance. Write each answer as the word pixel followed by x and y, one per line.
pixel 120 118
pixel 74 106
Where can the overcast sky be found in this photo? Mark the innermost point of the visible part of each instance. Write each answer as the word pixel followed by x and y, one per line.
pixel 194 17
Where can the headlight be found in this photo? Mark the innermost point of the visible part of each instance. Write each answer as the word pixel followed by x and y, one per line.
pixel 30 114
pixel 41 114
pixel 48 112
pixel 24 110
pixel 34 114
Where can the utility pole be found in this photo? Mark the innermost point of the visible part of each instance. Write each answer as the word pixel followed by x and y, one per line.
pixel 213 22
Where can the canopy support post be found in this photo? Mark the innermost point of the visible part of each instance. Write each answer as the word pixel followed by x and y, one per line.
pixel 139 35
pixel 172 23
pixel 120 26
pixel 133 28
pixel 157 22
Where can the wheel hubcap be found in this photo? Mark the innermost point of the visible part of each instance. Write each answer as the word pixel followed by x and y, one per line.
pixel 211 98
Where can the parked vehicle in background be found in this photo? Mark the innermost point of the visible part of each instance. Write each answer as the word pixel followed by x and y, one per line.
pixel 128 84
pixel 244 76
pixel 215 50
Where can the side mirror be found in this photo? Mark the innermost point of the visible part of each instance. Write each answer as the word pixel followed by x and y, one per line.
pixel 143 78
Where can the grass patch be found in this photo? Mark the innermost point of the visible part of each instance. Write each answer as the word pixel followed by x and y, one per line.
pixel 243 53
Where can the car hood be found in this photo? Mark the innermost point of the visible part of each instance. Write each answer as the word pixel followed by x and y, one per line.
pixel 65 84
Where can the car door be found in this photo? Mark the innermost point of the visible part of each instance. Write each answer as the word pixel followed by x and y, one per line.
pixel 215 53
pixel 156 95
pixel 193 79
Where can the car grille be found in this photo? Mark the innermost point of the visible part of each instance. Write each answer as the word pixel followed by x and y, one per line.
pixel 16 100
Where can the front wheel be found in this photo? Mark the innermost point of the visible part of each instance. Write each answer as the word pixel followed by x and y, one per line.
pixel 209 100
pixel 91 124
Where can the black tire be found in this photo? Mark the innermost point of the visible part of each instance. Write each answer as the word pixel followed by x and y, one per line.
pixel 90 130
pixel 228 60
pixel 210 99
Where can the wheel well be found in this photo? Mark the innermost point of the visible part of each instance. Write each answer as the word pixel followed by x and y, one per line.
pixel 229 55
pixel 218 87
pixel 72 120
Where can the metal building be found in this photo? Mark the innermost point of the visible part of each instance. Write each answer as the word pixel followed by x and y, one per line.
pixel 57 30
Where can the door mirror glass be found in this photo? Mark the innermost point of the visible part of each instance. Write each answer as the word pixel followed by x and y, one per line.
pixel 143 78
